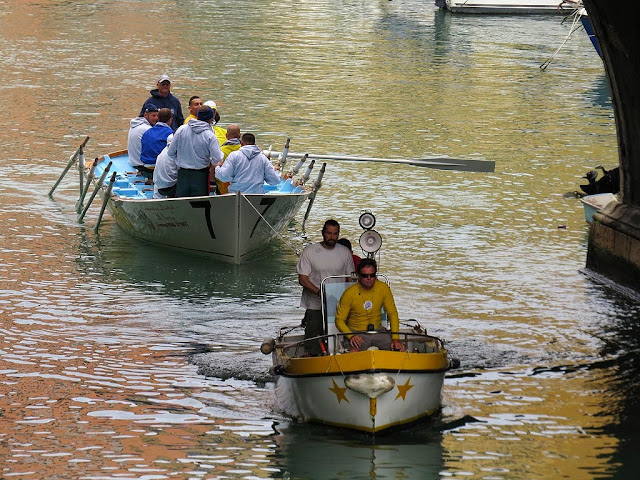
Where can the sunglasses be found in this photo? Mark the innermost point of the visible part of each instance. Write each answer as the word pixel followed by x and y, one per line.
pixel 368 275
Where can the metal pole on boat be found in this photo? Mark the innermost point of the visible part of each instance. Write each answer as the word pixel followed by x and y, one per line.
pixel 307 174
pixel 107 196
pixel 282 160
pixel 298 166
pixel 95 192
pixel 81 169
pixel 86 187
pixel 317 183
pixel 72 159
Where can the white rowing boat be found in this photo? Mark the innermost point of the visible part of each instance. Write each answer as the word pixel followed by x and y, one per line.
pixel 231 227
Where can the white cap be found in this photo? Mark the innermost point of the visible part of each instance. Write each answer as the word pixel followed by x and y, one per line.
pixel 163 78
pixel 211 103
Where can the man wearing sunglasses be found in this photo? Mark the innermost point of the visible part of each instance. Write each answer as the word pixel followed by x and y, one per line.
pixel 359 312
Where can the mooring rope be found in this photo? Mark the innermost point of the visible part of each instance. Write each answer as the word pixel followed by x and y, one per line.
pixel 575 25
pixel 293 249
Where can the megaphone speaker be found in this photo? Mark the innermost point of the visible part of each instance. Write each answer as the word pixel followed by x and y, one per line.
pixel 367 220
pixel 370 241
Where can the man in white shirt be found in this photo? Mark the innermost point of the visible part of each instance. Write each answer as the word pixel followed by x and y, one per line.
pixel 318 261
pixel 194 149
pixel 137 127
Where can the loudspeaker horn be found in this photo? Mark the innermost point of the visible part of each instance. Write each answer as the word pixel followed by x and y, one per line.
pixel 367 220
pixel 370 241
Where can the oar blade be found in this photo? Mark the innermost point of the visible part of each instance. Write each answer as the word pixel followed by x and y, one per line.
pixel 440 163
pixel 458 164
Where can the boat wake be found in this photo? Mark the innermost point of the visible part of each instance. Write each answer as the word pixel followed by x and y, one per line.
pixel 234 365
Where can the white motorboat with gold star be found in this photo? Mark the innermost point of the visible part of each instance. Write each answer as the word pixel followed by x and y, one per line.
pixel 370 390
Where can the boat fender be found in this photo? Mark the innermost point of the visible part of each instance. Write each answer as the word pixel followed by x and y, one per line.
pixel 454 363
pixel 371 385
pixel 267 346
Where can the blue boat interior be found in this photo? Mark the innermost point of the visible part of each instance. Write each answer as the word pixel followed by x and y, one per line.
pixel 130 184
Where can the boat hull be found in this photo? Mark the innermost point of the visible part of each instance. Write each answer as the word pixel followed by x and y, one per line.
pixel 369 391
pixel 527 7
pixel 231 228
pixel 594 203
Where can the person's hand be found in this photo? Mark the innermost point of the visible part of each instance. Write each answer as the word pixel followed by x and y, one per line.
pixel 356 342
pixel 397 345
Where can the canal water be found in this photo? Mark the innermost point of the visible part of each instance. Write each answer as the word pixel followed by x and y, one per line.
pixel 119 359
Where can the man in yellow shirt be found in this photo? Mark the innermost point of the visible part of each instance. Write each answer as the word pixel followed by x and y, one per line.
pixel 195 103
pixel 359 311
pixel 231 145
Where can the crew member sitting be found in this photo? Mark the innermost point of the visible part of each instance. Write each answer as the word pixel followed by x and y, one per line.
pixel 155 138
pixel 359 311
pixel 247 169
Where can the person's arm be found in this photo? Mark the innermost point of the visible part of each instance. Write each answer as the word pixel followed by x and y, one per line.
pixel 214 149
pixel 392 312
pixel 172 151
pixel 306 282
pixel 224 171
pixel 342 313
pixel 270 174
pixel 394 321
pixel 179 120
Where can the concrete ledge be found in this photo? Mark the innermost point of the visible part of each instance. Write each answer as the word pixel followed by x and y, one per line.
pixel 614 244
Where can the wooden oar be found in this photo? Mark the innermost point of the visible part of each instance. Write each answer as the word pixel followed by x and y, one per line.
pixel 72 159
pixel 440 163
pixel 95 191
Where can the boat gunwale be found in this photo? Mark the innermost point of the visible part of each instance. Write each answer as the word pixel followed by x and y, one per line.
pixel 358 372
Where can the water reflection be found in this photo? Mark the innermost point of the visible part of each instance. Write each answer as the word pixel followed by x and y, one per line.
pixel 182 275
pixel 621 337
pixel 315 452
pixel 599 94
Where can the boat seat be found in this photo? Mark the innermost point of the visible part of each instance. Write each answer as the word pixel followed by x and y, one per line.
pixel 332 289
pixel 126 192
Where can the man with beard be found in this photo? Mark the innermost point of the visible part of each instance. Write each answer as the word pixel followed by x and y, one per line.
pixel 318 261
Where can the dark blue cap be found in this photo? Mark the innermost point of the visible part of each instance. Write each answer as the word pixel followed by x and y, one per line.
pixel 149 107
pixel 205 113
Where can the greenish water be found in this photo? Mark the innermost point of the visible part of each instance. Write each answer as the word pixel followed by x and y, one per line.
pixel 123 360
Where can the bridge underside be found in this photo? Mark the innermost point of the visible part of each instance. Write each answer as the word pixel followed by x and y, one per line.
pixel 614 238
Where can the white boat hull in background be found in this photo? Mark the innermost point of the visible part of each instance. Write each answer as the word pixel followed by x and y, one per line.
pixel 502 6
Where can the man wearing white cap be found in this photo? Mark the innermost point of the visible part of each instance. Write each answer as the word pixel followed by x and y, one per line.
pixel 163 98
pixel 221 133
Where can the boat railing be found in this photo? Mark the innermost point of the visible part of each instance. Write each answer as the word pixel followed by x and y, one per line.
pixel 416 340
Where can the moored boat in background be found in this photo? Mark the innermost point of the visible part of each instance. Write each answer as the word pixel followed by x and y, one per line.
pixel 595 203
pixel 501 6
